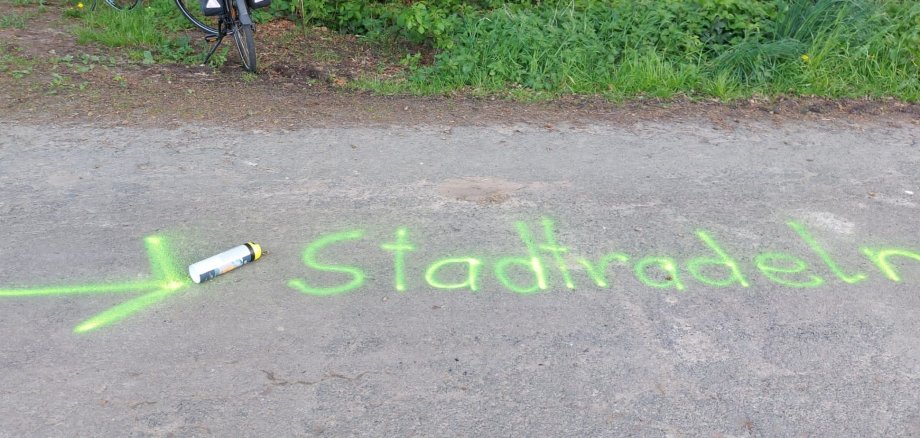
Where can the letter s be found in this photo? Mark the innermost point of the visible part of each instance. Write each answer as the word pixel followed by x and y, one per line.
pixel 309 259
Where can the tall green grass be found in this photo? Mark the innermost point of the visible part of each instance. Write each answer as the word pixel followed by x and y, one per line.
pixel 616 48
pixel 832 48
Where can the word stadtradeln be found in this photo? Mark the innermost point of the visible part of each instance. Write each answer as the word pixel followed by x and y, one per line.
pixel 546 266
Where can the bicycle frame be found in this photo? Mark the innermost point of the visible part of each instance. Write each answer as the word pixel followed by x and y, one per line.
pixel 242 11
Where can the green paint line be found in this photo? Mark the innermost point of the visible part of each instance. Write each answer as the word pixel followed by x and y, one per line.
pixel 128 308
pixel 778 268
pixel 167 280
pixel 531 263
pixel 163 268
pixel 501 272
pixel 399 249
pixel 472 278
pixel 309 259
pixel 695 265
pixel 535 262
pixel 130 287
pixel 828 260
pixel 667 265
pixel 880 258
pixel 598 273
pixel 556 250
pixel 162 265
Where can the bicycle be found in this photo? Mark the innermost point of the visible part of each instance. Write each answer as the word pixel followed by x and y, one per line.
pixel 232 19
pixel 121 5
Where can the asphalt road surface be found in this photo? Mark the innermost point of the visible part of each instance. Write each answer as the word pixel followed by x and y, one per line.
pixel 655 279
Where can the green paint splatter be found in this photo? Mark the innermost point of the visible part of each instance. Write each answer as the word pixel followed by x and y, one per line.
pixel 598 273
pixel 667 265
pixel 696 265
pixel 880 258
pixel 309 259
pixel 472 278
pixel 831 264
pixel 399 248
pixel 169 281
pixel 162 265
pixel 778 266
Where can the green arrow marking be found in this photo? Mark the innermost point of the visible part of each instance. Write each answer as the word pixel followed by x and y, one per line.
pixel 167 280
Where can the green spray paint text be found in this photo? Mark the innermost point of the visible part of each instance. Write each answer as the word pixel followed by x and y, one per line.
pixel 547 264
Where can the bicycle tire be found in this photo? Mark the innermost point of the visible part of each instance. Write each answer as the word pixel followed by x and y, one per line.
pixel 245 45
pixel 123 5
pixel 191 9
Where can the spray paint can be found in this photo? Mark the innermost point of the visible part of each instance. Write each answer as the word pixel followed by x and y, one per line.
pixel 224 262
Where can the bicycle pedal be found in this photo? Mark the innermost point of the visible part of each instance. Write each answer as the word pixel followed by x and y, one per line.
pixel 210 38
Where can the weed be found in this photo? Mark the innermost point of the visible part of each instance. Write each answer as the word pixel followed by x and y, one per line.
pixel 249 77
pixel 149 32
pixel 527 49
pixel 84 64
pixel 85 68
pixel 89 59
pixel 76 11
pixel 19 74
pixel 12 20
pixel 16 65
pixel 719 48
pixel 411 61
pixel 723 86
pixel 325 55
pixel 180 49
pixel 37 6
pixel 219 57
pixel 57 83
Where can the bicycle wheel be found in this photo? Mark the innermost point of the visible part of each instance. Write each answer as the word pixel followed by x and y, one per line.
pixel 245 44
pixel 123 5
pixel 191 9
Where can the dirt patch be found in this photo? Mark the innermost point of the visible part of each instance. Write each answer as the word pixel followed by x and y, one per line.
pixel 489 190
pixel 482 191
pixel 307 79
pixel 290 53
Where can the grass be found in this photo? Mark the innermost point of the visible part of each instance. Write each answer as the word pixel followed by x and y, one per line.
pixel 155 32
pixel 325 55
pixel 13 63
pixel 12 21
pixel 830 48
pixel 620 49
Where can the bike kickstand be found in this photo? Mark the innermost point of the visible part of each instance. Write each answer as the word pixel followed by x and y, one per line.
pixel 218 39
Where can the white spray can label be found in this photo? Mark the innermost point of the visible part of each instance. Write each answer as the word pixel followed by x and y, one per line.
pixel 224 262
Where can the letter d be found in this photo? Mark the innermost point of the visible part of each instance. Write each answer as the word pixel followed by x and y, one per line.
pixel 533 264
pixel 696 265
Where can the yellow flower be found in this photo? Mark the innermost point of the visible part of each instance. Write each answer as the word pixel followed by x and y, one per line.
pixel 79 5
pixel 805 58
